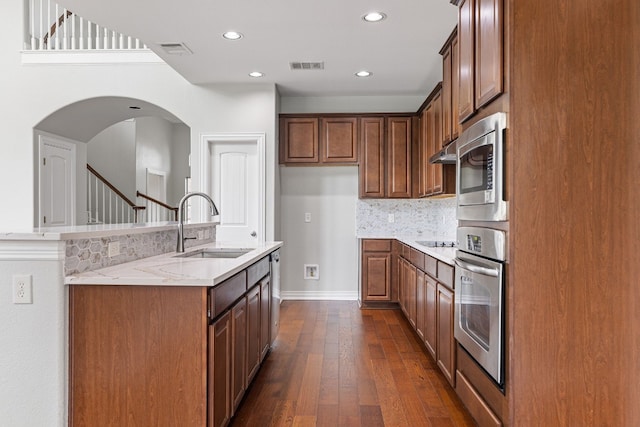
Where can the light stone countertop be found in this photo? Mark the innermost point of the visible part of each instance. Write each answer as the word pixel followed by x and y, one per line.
pixel 446 255
pixel 169 270
pixel 96 230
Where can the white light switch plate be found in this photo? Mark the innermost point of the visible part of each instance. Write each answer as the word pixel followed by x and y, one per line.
pixel 307 217
pixel 391 218
pixel 114 249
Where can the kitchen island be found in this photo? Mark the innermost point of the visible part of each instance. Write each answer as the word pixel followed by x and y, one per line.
pixel 169 339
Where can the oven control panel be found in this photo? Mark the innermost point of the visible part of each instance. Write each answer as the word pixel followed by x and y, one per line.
pixel 485 242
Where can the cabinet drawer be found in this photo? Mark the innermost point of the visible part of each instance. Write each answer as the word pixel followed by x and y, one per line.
pixel 376 245
pixel 223 295
pixel 417 258
pixel 257 271
pixel 445 274
pixel 406 252
pixel 477 407
pixel 430 266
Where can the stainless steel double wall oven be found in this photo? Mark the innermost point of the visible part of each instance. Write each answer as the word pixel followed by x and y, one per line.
pixel 482 244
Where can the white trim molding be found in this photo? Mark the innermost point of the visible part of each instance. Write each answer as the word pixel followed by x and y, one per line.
pixel 319 295
pixel 31 250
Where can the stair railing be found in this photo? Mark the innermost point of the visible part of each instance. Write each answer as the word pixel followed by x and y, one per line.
pixel 157 210
pixel 106 204
pixel 52 27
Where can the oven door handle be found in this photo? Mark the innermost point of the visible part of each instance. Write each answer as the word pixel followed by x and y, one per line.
pixel 476 269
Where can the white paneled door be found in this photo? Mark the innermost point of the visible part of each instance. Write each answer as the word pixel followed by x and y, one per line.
pixel 237 187
pixel 57 182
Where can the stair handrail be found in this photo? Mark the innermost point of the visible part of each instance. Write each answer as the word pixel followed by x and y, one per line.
pixel 54 26
pixel 158 202
pixel 119 193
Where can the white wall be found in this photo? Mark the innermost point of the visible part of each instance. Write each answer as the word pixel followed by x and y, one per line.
pixel 180 169
pixel 112 153
pixel 329 194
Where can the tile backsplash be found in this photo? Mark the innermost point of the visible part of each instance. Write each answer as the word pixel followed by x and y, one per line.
pixel 93 253
pixel 429 219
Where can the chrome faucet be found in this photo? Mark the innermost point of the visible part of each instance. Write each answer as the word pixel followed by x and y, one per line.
pixel 181 238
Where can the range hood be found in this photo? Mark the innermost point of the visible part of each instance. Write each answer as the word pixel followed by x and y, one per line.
pixel 448 155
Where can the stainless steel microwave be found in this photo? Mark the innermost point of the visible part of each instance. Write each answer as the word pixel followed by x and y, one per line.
pixel 480 170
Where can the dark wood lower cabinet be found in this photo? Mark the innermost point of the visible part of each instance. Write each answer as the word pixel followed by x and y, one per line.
pixel 446 348
pixel 154 355
pixel 238 351
pixel 219 400
pixel 431 328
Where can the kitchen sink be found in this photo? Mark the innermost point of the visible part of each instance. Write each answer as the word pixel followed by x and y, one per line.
pixel 216 253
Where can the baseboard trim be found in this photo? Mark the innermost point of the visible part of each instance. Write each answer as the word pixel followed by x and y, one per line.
pixel 319 295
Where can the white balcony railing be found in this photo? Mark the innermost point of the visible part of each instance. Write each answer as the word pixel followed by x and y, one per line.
pixel 52 27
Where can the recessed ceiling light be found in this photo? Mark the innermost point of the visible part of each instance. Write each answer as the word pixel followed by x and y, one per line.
pixel 256 74
pixel 374 17
pixel 135 107
pixel 232 35
pixel 364 73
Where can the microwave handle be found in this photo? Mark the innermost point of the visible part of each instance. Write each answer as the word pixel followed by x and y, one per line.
pixel 476 269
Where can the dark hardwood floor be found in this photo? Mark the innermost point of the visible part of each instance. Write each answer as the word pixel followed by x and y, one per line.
pixel 333 364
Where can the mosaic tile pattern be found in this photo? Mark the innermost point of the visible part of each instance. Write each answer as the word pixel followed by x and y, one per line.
pixel 429 219
pixel 91 254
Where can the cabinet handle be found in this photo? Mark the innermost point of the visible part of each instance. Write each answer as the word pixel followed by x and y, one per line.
pixel 476 269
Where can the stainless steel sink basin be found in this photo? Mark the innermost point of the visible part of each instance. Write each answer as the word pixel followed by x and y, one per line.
pixel 216 253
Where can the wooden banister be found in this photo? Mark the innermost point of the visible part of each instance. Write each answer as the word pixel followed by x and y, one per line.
pixel 158 202
pixel 114 189
pixel 54 26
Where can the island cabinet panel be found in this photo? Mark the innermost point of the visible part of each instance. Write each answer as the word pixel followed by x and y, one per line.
pixel 265 316
pixel 376 270
pixel 253 332
pixel 339 139
pixel 372 147
pixel 238 352
pixel 299 140
pixel 220 371
pixel 117 334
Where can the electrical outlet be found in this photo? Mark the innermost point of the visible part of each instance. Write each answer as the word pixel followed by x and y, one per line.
pixel 200 234
pixel 22 292
pixel 391 218
pixel 114 249
pixel 307 217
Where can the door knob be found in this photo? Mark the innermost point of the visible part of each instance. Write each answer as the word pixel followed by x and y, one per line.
pixel 254 234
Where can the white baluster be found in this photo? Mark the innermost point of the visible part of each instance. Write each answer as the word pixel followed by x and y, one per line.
pixel 106 39
pixel 137 43
pixel 32 23
pixel 121 42
pixel 57 34
pixel 48 26
pixel 73 31
pixel 129 42
pixel 65 43
pixel 81 38
pixel 113 40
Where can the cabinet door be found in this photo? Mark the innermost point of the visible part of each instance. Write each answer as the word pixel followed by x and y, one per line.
pixel 446 356
pixel 488 45
pixel 376 276
pixel 299 140
pixel 372 168
pixel 447 65
pixel 421 303
pixel 455 88
pixel 466 72
pixel 430 329
pixel 402 291
pixel 399 157
pixel 265 316
pixel 220 371
pixel 411 294
pixel 238 352
pixel 437 170
pixel 339 140
pixel 254 350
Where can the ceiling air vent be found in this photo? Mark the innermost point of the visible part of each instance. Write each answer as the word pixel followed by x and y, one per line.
pixel 176 48
pixel 306 66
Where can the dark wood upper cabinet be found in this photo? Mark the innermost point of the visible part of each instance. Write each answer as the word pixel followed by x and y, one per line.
pixel 399 157
pixel 466 38
pixel 480 48
pixel 447 86
pixel 339 139
pixel 372 153
pixel 489 50
pixel 436 141
pixel 299 140
pixel 455 87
